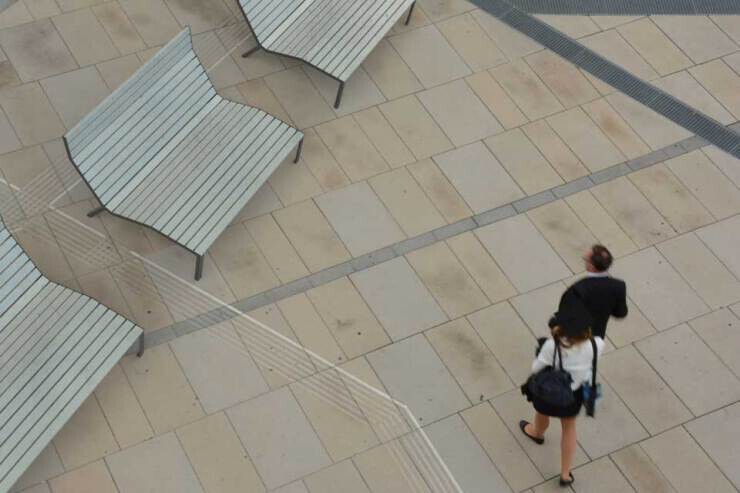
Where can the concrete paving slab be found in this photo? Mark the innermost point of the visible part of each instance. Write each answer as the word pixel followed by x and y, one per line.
pixel 398 298
pixel 414 374
pixel 279 437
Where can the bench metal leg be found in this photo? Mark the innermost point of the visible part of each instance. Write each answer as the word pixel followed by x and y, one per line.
pixel 198 267
pixel 298 152
pixel 140 351
pixel 411 11
pixel 95 212
pixel 250 52
pixel 339 95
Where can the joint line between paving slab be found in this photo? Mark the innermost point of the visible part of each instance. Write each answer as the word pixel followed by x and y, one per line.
pixel 641 91
pixel 403 247
pixel 446 479
pixel 628 7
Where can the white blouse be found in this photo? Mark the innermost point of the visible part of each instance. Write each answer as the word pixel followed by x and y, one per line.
pixel 577 360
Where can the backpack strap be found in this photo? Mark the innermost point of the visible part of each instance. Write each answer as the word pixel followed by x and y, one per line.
pixel 557 355
pixel 593 364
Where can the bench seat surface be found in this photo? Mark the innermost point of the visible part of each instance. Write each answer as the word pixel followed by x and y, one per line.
pixel 166 151
pixel 56 345
pixel 334 36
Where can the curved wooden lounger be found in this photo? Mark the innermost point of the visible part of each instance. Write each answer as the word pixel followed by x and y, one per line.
pixel 56 345
pixel 164 150
pixel 333 36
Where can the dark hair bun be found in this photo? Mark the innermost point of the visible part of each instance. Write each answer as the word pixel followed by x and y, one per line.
pixel 573 317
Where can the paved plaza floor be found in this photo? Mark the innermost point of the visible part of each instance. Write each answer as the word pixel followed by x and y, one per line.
pixel 365 323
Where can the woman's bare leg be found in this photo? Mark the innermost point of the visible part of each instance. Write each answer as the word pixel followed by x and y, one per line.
pixel 567 446
pixel 539 427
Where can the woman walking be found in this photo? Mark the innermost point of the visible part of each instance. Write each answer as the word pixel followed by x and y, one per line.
pixel 560 373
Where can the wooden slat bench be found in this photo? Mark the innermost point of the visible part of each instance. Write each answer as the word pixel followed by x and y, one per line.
pixel 56 345
pixel 164 150
pixel 334 36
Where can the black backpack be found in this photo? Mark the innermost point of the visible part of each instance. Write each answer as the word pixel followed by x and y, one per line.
pixel 552 385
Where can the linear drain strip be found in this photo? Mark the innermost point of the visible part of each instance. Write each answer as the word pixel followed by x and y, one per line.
pixel 629 7
pixel 639 90
pixel 226 312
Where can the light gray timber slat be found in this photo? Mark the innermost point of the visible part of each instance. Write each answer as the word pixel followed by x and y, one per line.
pixel 279 27
pixel 15 280
pixel 120 98
pixel 249 138
pixel 158 193
pixel 14 316
pixel 35 330
pixel 338 34
pixel 354 58
pixel 115 142
pixel 244 177
pixel 136 107
pixel 12 378
pixel 269 15
pixel 208 165
pixel 172 154
pixel 280 141
pixel 10 255
pixel 88 377
pixel 56 345
pixel 334 36
pixel 121 194
pixel 364 35
pixel 39 384
pixel 166 135
pixel 38 337
pixel 260 129
pixel 307 30
pixel 228 216
pixel 182 162
pixel 13 320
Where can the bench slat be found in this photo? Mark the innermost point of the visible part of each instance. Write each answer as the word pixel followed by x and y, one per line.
pixel 334 36
pixel 168 131
pixel 269 15
pixel 66 394
pixel 309 30
pixel 239 176
pixel 47 345
pixel 117 196
pixel 34 339
pixel 160 185
pixel 56 345
pixel 88 378
pixel 205 171
pixel 136 109
pixel 215 169
pixel 42 384
pixel 175 156
pixel 119 100
pixel 225 217
pixel 13 320
pixel 24 341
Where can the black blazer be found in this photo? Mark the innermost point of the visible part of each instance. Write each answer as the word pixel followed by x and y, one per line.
pixel 603 296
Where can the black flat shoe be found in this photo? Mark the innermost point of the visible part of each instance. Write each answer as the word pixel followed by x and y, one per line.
pixel 565 483
pixel 522 425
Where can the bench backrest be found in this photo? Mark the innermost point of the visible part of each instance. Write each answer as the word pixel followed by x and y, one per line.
pixel 268 16
pixel 117 144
